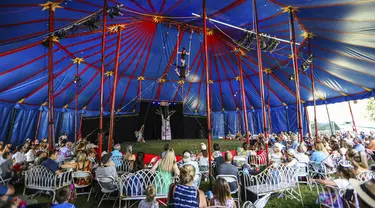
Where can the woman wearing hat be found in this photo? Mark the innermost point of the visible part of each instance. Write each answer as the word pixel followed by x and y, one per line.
pixel 365 192
pixel 291 161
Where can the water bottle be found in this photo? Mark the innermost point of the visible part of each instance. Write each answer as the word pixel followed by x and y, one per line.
pixel 209 195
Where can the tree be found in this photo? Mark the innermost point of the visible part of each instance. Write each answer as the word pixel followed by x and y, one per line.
pixel 370 108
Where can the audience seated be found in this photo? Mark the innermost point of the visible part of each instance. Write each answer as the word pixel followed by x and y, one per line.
pixel 51 163
pixel 107 169
pixel 228 169
pixel 150 201
pixel 62 197
pixel 167 168
pixel 185 194
pixel 318 155
pixel 222 195
pixel 187 160
pixel 301 155
pixel 129 156
pixel 358 160
pixel 365 192
pixel 7 165
pixel 139 162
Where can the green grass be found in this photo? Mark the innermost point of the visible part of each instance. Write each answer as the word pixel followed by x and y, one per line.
pixel 179 145
pixel 308 196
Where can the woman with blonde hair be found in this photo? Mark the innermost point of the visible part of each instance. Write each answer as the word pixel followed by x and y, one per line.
pixel 150 201
pixel 185 194
pixel 358 160
pixel 222 195
pixel 318 155
pixel 82 163
pixel 167 168
pixel 129 156
pixel 276 156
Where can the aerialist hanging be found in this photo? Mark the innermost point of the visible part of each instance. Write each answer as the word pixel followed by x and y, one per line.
pixel 183 70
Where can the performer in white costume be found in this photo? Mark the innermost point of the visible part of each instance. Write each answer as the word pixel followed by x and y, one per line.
pixel 166 125
pixel 139 135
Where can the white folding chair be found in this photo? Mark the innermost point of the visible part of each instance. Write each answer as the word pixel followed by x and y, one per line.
pixel 232 179
pixel 103 183
pixel 365 176
pixel 303 171
pixel 80 176
pixel 260 203
pixel 124 167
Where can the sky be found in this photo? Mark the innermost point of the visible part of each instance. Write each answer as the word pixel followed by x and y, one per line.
pixel 340 113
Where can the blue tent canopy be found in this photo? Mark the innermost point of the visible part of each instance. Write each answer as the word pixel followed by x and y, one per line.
pixel 342 44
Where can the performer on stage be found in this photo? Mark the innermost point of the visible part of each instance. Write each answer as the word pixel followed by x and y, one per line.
pixel 139 135
pixel 166 125
pixel 183 54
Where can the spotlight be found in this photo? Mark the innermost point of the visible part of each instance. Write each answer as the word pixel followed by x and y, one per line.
pixel 273 45
pixel 153 102
pixel 292 77
pixel 77 79
pixel 158 103
pixel 306 64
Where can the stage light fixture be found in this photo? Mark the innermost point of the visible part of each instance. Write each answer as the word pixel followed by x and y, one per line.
pixel 93 23
pixel 77 79
pixel 306 64
pixel 272 45
pixel 292 77
pixel 115 11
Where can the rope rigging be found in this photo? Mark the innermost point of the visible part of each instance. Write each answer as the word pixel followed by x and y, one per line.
pixel 183 70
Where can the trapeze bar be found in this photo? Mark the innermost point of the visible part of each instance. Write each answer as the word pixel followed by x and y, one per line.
pixel 245 30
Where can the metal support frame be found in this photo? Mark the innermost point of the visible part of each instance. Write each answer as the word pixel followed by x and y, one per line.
pixel 113 95
pixel 102 72
pixel 38 125
pixel 296 73
pixel 329 119
pixel 51 123
pixel 76 109
pixel 243 29
pixel 244 109
pixel 313 91
pixel 261 80
pixel 351 113
pixel 208 100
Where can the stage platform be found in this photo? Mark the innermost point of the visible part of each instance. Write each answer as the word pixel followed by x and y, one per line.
pixel 155 147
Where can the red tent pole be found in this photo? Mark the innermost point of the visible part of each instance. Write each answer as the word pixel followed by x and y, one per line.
pixel 102 81
pixel 38 125
pixel 51 124
pixel 76 110
pixel 244 109
pixel 208 101
pixel 269 107
pixel 261 80
pixel 296 72
pixel 80 127
pixel 313 91
pixel 351 113
pixel 113 101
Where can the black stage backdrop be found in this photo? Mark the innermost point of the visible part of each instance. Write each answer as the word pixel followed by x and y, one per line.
pixel 188 126
pixel 152 121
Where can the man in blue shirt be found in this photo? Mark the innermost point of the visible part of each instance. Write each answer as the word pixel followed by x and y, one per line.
pixel 51 163
pixel 357 145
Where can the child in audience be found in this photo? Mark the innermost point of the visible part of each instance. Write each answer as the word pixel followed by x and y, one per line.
pixel 62 198
pixel 222 196
pixel 150 201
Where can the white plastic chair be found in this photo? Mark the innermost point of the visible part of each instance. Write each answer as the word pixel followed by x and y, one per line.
pixel 303 171
pixel 232 179
pixel 260 203
pixel 103 181
pixel 82 175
